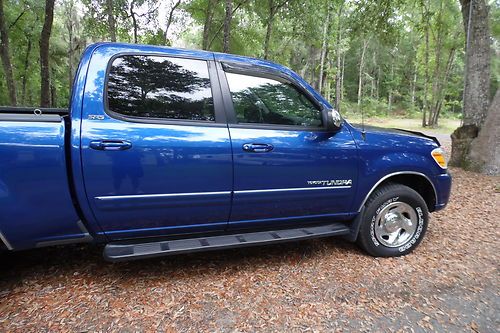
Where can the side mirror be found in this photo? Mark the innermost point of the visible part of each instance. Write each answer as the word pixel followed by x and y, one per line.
pixel 333 120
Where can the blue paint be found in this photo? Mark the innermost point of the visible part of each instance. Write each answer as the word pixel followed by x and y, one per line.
pixel 182 177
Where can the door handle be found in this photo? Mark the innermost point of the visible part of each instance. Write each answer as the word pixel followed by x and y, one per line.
pixel 110 145
pixel 257 147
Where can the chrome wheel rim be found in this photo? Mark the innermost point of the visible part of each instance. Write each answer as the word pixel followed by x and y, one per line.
pixel 396 224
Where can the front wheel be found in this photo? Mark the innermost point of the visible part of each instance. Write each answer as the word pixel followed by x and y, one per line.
pixel 394 222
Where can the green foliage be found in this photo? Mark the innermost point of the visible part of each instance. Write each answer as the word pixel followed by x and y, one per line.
pixel 392 75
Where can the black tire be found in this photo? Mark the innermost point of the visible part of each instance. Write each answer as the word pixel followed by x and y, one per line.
pixel 392 194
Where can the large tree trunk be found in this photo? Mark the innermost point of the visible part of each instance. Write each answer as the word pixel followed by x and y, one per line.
pixel 44 54
pixel 111 20
pixel 5 55
pixel 476 85
pixel 484 153
pixel 227 26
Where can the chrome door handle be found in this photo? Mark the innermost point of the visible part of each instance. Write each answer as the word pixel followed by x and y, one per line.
pixel 257 147
pixel 110 145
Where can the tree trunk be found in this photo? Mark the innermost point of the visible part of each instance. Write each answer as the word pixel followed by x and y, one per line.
pixel 227 26
pixel 111 20
pixel 361 67
pixel 25 72
pixel 476 86
pixel 44 54
pixel 477 71
pixel 170 19
pixel 134 20
pixel 414 86
pixel 70 25
pixel 269 29
pixel 425 102
pixel 342 78
pixel 484 153
pixel 389 107
pixel 5 55
pixel 338 74
pixel 208 23
pixel 324 46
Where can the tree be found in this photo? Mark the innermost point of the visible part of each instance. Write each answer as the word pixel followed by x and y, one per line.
pixel 227 26
pixel 485 149
pixel 273 10
pixel 208 23
pixel 111 20
pixel 5 55
pixel 476 97
pixel 45 97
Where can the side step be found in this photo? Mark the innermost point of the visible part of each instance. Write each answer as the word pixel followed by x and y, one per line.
pixel 122 251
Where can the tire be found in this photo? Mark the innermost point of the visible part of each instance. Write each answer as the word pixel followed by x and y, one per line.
pixel 394 222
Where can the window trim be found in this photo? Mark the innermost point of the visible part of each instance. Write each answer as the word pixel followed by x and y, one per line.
pixel 259 71
pixel 219 114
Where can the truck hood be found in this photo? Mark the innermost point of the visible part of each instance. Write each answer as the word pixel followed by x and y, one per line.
pixel 399 131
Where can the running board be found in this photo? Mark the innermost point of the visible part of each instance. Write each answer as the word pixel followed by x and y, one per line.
pixel 123 251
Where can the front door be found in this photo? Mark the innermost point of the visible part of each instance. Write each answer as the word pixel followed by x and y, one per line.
pixel 287 167
pixel 158 161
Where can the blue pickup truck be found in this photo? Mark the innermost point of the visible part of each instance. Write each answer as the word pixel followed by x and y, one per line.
pixel 166 151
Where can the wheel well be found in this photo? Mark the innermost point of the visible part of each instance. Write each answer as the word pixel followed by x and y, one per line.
pixel 418 183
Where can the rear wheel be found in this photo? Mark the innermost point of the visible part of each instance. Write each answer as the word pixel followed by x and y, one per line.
pixel 394 222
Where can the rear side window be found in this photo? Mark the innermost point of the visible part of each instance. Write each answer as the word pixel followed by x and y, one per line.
pixel 268 101
pixel 160 87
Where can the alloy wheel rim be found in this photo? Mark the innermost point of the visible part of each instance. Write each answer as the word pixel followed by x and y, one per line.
pixel 396 224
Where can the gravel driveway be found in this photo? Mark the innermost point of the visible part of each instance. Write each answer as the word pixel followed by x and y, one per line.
pixel 450 283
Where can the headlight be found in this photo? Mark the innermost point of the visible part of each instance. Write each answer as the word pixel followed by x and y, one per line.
pixel 438 156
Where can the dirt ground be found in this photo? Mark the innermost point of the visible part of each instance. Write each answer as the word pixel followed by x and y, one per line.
pixel 450 283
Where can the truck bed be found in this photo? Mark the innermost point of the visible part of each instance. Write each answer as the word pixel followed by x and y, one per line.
pixel 36 208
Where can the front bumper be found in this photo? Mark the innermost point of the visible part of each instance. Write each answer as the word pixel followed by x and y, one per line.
pixel 443 190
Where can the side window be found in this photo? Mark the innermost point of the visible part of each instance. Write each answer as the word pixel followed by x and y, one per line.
pixel 160 87
pixel 267 101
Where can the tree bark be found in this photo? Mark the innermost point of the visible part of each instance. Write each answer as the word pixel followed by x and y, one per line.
pixel 484 153
pixel 227 26
pixel 44 54
pixel 478 54
pixel 476 87
pixel 5 55
pixel 111 20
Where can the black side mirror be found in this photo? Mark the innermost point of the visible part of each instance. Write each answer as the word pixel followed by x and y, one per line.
pixel 333 120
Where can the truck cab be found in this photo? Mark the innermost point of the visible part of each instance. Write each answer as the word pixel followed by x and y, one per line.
pixel 169 149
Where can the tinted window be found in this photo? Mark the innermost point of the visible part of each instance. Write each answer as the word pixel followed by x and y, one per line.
pixel 160 87
pixel 261 100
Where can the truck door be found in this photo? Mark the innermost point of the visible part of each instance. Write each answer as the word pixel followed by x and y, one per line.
pixel 287 167
pixel 156 153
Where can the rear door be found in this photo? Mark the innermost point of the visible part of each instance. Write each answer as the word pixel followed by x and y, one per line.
pixel 287 168
pixel 156 152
